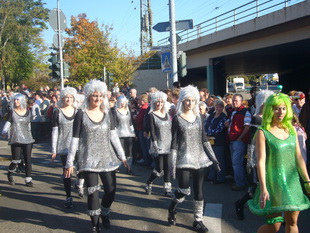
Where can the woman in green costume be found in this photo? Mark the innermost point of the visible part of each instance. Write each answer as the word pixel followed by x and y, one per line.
pixel 278 165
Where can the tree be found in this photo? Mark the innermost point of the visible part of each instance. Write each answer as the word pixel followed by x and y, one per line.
pixel 21 22
pixel 89 50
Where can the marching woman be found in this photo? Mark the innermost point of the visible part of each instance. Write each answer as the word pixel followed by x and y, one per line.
pixel 62 122
pixel 280 166
pixel 20 138
pixel 191 153
pixel 100 151
pixel 160 130
pixel 125 130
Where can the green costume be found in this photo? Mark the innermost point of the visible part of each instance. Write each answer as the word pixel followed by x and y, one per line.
pixel 282 179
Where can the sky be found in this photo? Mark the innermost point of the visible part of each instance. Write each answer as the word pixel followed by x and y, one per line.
pixel 124 15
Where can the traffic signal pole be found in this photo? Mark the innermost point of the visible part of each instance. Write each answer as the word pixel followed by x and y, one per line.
pixel 173 42
pixel 60 48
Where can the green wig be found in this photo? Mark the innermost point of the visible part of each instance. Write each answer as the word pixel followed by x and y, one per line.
pixel 273 101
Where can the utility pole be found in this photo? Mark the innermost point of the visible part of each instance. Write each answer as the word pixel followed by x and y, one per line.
pixel 173 42
pixel 60 48
pixel 146 21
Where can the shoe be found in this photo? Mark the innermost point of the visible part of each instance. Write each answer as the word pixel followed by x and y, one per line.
pixel 171 216
pixel 106 222
pixel 95 229
pixel 79 190
pixel 237 188
pixel 29 184
pixel 10 178
pixel 199 226
pixel 239 210
pixel 148 189
pixel 169 194
pixel 69 203
pixel 130 173
pixel 141 161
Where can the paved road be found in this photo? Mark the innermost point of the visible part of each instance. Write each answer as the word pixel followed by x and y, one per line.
pixel 40 209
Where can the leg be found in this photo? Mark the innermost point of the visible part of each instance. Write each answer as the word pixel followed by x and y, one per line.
pixel 27 149
pixel 91 181
pixel 67 184
pixel 198 177
pixel 291 218
pixel 16 152
pixel 179 195
pixel 167 184
pixel 109 185
pixel 273 224
pixel 157 172
pixel 79 184
pixel 237 156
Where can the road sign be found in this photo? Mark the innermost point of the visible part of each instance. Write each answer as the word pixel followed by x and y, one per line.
pixel 56 41
pixel 53 20
pixel 160 48
pixel 179 25
pixel 178 38
pixel 165 62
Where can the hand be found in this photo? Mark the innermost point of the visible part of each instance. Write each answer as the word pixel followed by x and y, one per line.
pixel 53 157
pixel 217 167
pixel 307 187
pixel 4 136
pixel 264 196
pixel 126 164
pixel 68 172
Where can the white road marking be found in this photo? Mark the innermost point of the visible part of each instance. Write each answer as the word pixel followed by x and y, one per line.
pixel 212 217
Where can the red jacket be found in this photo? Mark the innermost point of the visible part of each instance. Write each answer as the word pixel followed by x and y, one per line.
pixel 140 116
pixel 237 125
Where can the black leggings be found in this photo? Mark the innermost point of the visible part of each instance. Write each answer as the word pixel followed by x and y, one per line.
pixel 184 182
pixel 19 149
pixel 161 164
pixel 127 144
pixel 108 180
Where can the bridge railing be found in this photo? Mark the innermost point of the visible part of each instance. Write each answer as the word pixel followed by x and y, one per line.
pixel 248 11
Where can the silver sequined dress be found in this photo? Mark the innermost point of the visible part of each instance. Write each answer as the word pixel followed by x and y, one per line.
pixel 96 153
pixel 20 131
pixel 162 133
pixel 64 133
pixel 188 142
pixel 124 127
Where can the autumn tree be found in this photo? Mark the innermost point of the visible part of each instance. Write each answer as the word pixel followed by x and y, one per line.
pixel 21 22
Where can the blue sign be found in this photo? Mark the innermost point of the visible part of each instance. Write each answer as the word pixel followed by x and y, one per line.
pixel 165 62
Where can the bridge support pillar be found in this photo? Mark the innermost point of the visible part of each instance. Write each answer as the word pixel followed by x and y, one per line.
pixel 210 77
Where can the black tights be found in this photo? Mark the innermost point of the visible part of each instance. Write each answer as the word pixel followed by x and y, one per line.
pixel 17 150
pixel 184 183
pixel 108 180
pixel 161 164
pixel 66 181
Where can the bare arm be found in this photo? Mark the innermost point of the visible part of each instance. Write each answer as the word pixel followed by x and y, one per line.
pixel 261 166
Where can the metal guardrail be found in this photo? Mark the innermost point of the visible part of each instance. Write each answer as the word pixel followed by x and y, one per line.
pixel 248 11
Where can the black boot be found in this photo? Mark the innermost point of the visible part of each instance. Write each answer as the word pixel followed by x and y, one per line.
pixel 106 222
pixel 95 229
pixel 239 210
pixel 200 227
pixel 171 216
pixel 10 178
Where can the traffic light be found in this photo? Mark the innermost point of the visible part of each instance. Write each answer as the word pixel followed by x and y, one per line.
pixel 182 71
pixel 55 67
pixel 66 70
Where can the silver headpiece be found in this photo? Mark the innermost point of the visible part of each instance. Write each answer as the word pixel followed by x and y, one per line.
pixel 96 86
pixel 159 95
pixel 21 98
pixel 121 99
pixel 64 92
pixel 260 99
pixel 186 92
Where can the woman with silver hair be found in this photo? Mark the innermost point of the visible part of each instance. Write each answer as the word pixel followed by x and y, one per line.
pixel 191 153
pixel 256 122
pixel 62 123
pixel 100 151
pixel 160 130
pixel 125 129
pixel 20 138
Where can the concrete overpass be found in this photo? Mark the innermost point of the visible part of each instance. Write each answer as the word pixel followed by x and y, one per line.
pixel 278 42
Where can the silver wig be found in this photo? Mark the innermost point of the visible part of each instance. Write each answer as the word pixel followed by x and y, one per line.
pixel 155 97
pixel 64 92
pixel 121 99
pixel 260 99
pixel 186 92
pixel 96 86
pixel 21 98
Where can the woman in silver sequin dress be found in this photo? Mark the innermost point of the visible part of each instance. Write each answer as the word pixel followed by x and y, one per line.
pixel 62 122
pixel 100 151
pixel 125 129
pixel 19 129
pixel 160 129
pixel 191 153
